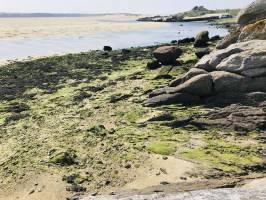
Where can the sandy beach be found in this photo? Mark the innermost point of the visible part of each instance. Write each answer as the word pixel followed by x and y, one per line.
pixel 41 27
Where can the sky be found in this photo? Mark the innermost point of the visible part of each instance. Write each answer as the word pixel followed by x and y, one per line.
pixel 115 6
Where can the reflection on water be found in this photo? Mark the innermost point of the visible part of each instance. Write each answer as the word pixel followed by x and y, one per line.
pixel 21 48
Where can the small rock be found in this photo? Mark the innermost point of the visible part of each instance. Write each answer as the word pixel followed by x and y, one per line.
pixel 163 170
pixel 95 194
pixel 31 191
pixel 128 166
pixel 125 51
pixel 154 64
pixel 165 158
pixel 164 183
pixel 75 188
pixel 158 173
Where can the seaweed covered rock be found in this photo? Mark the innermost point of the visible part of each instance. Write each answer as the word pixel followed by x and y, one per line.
pixel 256 30
pixel 63 157
pixel 167 54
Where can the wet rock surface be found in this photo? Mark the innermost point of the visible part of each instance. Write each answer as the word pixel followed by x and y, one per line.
pixel 219 194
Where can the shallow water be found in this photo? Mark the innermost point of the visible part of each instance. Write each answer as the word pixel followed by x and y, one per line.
pixel 18 48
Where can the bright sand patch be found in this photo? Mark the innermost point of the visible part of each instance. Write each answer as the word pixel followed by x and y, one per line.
pixel 42 187
pixel 157 170
pixel 258 183
pixel 13 28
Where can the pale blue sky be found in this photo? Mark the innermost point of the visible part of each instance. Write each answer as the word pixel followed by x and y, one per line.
pixel 114 6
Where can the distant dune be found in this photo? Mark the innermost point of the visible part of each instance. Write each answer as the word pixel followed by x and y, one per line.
pixel 9 15
pixel 28 27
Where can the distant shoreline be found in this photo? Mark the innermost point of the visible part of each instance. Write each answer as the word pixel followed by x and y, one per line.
pixel 26 15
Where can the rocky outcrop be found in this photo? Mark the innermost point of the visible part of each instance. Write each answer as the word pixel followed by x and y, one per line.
pixel 240 68
pixel 167 54
pixel 253 13
pixel 252 21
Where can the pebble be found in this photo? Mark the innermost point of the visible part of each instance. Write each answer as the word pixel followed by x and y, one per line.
pixel 164 183
pixel 31 191
pixel 163 170
pixel 165 158
pixel 128 166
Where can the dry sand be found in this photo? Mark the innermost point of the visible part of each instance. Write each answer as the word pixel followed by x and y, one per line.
pixel 158 170
pixel 38 187
pixel 68 26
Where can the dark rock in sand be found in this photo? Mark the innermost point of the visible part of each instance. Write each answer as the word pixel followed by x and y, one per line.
pixel 186 40
pixel 215 38
pixel 125 51
pixel 202 39
pixel 107 48
pixel 154 64
pixel 167 54
pixel 174 42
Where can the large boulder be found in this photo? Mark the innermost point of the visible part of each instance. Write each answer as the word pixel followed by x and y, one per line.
pixel 236 58
pixel 200 85
pixel 167 54
pixel 183 78
pixel 254 12
pixel 202 39
pixel 250 63
pixel 226 81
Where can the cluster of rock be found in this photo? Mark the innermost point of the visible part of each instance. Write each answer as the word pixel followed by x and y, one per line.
pixel 239 68
pixel 168 55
